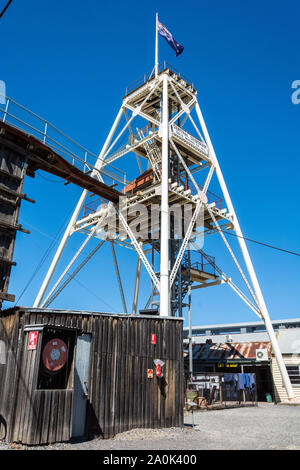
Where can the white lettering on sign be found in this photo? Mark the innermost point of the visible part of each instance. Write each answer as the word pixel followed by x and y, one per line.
pixel 32 340
pixel 190 140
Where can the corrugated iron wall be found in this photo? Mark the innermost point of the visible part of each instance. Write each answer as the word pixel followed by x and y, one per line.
pixel 120 394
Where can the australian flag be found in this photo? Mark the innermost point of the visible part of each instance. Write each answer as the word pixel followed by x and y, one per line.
pixel 169 38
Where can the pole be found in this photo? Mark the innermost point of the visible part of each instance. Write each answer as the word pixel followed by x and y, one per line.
pixel 190 335
pixel 248 262
pixel 156 46
pixel 136 286
pixel 112 246
pixel 164 230
pixel 244 396
pixel 74 217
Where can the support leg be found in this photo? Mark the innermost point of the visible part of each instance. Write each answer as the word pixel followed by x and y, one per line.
pixel 248 262
pixel 136 286
pixel 74 217
pixel 118 276
pixel 164 234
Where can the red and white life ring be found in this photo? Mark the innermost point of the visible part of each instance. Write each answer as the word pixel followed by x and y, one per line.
pixel 55 354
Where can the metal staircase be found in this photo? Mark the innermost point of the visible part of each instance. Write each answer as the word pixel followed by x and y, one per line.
pixel 192 272
pixel 152 152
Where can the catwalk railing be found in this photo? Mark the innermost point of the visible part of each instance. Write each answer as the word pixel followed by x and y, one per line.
pixel 21 118
pixel 200 263
pixel 150 75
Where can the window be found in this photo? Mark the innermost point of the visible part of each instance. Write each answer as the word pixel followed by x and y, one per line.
pixel 294 374
pixel 56 361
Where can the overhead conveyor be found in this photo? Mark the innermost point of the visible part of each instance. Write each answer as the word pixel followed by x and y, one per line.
pixel 21 154
pixel 42 157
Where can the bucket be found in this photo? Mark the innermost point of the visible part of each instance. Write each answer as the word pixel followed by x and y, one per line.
pixel 269 398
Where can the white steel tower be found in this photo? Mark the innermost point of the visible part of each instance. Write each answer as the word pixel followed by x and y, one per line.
pixel 160 124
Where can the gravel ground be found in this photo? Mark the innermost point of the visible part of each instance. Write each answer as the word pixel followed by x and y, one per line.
pixel 264 427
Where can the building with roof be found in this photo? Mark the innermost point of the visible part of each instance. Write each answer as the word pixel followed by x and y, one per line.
pixel 237 332
pixel 245 347
pixel 250 357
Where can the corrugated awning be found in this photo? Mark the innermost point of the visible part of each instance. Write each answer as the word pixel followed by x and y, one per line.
pixel 229 351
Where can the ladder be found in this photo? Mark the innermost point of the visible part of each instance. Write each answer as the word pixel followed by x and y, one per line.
pixel 152 152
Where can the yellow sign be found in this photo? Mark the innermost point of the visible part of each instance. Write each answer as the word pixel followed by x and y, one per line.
pixel 227 365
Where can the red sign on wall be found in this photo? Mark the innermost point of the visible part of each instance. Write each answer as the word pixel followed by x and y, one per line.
pixel 32 340
pixel 158 370
pixel 153 338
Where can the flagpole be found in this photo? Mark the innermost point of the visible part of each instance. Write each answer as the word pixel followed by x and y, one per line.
pixel 156 46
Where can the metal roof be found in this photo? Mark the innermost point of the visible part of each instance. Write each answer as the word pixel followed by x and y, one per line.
pixel 260 336
pixel 56 311
pixel 229 351
pixel 243 324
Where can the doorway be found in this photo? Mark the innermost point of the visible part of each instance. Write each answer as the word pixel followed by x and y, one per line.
pixel 81 380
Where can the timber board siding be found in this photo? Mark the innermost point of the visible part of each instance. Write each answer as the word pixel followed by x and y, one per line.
pixel 280 391
pixel 120 395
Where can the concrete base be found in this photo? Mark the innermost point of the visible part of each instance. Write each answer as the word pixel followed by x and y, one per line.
pixel 289 403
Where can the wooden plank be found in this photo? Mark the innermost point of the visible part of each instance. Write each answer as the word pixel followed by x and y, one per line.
pixel 22 394
pixel 67 421
pixel 37 423
pixel 60 415
pixel 46 416
pixel 53 415
pixel 33 402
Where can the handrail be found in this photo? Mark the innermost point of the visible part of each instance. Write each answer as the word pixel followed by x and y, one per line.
pixel 149 76
pixel 73 150
pixel 200 264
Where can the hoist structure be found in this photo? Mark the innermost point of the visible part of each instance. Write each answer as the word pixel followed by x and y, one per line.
pixel 166 211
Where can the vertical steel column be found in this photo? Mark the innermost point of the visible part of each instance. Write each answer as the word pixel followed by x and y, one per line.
pixel 74 217
pixel 118 276
pixel 190 335
pixel 152 285
pixel 136 286
pixel 248 262
pixel 164 231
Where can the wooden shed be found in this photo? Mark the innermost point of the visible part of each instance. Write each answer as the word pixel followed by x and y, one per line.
pixel 67 374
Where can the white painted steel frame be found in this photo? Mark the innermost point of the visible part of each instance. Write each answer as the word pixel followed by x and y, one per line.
pixel 74 217
pixel 165 223
pixel 118 276
pixel 165 281
pixel 258 293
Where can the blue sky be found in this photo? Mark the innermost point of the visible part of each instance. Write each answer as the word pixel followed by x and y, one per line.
pixel 71 64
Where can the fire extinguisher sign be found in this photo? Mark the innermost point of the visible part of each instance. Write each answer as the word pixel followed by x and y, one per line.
pixel 153 338
pixel 159 367
pixel 32 340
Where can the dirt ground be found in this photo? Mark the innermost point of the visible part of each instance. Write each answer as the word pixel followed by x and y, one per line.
pixel 266 426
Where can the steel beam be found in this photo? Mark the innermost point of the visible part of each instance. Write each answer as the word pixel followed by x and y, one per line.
pixel 248 261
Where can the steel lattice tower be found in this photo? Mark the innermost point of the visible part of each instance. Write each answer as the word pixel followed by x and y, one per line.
pixel 181 165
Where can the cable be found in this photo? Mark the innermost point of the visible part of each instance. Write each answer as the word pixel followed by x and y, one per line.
pixel 93 293
pixel 44 257
pixel 5 8
pixel 261 243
